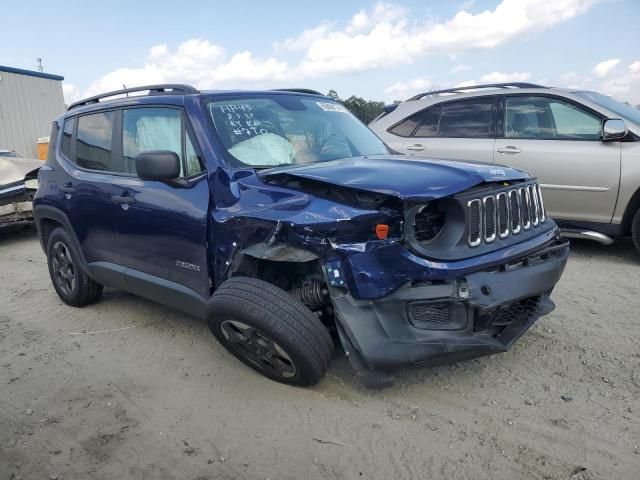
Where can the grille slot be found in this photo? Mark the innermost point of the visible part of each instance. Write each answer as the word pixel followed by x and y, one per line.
pixel 503 215
pixel 489 218
pixel 519 311
pixel 475 222
pixel 506 213
pixel 426 315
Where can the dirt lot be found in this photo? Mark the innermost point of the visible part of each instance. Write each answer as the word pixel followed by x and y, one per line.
pixel 151 395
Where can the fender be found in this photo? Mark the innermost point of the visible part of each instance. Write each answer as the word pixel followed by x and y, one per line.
pixel 41 212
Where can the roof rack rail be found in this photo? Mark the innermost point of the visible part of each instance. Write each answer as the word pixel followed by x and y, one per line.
pixel 298 90
pixel 474 87
pixel 162 89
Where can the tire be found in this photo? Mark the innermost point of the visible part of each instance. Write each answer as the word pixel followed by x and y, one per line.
pixel 635 230
pixel 72 285
pixel 270 331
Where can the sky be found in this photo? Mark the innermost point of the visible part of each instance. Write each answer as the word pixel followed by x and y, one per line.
pixel 378 50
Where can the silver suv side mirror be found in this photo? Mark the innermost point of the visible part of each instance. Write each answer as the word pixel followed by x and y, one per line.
pixel 613 129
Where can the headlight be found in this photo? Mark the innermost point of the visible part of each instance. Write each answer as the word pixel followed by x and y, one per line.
pixel 428 222
pixel 31 184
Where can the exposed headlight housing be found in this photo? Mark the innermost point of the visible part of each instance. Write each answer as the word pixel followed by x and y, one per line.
pixel 31 184
pixel 428 221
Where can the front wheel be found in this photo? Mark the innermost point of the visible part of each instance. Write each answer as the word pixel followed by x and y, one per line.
pixel 270 331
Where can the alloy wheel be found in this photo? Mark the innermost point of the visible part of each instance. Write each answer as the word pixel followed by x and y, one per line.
pixel 257 348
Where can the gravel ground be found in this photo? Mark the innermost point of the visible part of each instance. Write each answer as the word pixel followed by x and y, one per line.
pixel 151 395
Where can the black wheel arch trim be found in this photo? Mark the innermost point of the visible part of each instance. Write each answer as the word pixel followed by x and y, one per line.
pixel 47 212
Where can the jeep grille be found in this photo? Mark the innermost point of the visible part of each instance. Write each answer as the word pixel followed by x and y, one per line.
pixel 506 213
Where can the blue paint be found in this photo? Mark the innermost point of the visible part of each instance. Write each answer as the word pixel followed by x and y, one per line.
pixel 228 209
pixel 415 179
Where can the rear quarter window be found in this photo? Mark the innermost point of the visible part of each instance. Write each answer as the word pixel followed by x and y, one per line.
pixel 67 133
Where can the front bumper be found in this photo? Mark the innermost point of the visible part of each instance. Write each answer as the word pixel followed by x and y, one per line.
pixel 448 320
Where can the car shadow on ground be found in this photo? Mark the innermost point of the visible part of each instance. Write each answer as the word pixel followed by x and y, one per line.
pixel 10 236
pixel 622 250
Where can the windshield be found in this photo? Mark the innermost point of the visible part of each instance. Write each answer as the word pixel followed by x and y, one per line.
pixel 278 130
pixel 625 110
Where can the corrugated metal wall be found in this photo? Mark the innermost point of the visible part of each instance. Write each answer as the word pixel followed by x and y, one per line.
pixel 28 105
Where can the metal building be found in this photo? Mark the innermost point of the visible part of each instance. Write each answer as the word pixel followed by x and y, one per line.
pixel 29 102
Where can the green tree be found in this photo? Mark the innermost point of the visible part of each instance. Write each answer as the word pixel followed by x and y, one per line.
pixel 365 110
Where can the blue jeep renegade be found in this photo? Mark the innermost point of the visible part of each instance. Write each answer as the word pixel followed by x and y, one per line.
pixel 287 224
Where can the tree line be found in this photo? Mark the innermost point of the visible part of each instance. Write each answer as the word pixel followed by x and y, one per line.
pixel 365 110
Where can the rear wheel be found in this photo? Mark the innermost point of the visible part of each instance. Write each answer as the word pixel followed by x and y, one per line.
pixel 635 230
pixel 73 286
pixel 270 331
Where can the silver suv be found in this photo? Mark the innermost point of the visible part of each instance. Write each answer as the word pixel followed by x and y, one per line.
pixel 584 147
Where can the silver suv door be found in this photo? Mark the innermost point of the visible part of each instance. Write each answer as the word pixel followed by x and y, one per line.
pixel 456 130
pixel 560 143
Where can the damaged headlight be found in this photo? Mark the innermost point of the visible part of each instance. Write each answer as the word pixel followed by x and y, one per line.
pixel 428 221
pixel 435 226
pixel 31 184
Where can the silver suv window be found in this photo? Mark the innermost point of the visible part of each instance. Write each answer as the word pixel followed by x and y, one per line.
pixel 549 118
pixel 458 119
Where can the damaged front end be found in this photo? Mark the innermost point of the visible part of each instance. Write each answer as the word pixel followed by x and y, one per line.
pixel 18 185
pixel 460 272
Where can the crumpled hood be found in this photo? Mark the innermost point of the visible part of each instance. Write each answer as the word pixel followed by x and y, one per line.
pixel 408 178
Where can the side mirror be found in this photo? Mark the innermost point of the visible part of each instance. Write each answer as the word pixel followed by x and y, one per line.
pixel 613 129
pixel 162 165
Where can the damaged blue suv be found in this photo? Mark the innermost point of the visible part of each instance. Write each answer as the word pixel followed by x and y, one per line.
pixel 289 226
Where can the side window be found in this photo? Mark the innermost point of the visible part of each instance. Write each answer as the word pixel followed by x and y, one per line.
pixel 547 118
pixel 157 128
pixel 192 159
pixel 147 129
pixel 94 141
pixel 466 118
pixel 406 127
pixel 67 132
pixel 573 122
pixel 429 120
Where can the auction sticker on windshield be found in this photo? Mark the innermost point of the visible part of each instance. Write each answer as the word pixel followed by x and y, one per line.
pixel 331 107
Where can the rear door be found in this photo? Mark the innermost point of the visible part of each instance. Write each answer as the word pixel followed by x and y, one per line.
pixel 161 227
pixel 456 130
pixel 85 186
pixel 560 143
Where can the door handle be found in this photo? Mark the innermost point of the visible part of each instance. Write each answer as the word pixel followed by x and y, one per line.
pixel 508 149
pixel 416 148
pixel 124 199
pixel 67 188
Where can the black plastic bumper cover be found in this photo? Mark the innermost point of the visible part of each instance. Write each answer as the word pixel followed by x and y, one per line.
pixel 379 334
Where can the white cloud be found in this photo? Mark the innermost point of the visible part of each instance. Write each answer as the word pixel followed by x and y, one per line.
pixel 404 90
pixel 460 68
pixel 500 77
pixel 635 67
pixel 387 37
pixel 626 86
pixel 303 41
pixel 197 62
pixel 467 5
pixel 71 93
pixel 380 37
pixel 603 69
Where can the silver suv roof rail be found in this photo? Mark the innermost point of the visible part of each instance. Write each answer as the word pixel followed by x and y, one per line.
pixel 162 89
pixel 474 87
